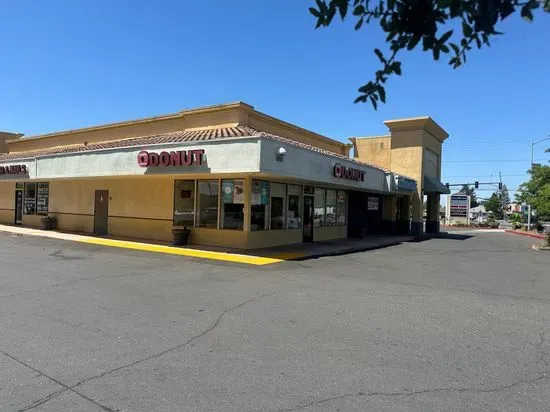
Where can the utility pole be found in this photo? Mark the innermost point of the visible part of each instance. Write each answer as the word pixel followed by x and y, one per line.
pixel 504 215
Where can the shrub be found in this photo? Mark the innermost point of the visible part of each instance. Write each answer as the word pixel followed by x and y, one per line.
pixel 517 225
pixel 539 227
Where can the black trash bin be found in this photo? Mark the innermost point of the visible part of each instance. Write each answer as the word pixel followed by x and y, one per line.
pixel 180 236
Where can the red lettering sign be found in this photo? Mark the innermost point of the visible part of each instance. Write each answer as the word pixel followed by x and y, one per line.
pixel 13 170
pixel 170 159
pixel 348 173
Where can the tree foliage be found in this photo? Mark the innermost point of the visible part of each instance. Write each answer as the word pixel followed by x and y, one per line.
pixel 410 23
pixel 536 191
pixel 498 202
pixel 470 191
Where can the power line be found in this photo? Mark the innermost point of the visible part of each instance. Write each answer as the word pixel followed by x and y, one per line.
pixel 494 174
pixel 494 161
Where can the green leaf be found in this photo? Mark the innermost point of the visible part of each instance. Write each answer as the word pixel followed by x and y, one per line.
pixel 391 4
pixel 467 29
pixel 526 13
pixel 455 48
pixel 506 9
pixel 413 42
pixel 396 66
pixel 382 93
pixel 380 55
pixel 444 48
pixel 359 10
pixel 373 102
pixel 314 11
pixel 359 23
pixel 446 37
pixel 436 53
pixel 343 8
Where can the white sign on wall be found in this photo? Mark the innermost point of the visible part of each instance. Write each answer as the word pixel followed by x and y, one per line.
pixel 372 203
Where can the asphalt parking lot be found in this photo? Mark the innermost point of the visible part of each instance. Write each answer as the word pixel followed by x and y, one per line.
pixel 446 324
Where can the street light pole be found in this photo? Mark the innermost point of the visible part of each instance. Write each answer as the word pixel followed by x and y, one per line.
pixel 532 152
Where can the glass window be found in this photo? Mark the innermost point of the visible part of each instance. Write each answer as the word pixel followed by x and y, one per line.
pixel 294 214
pixel 319 203
pixel 232 204
pixel 341 208
pixel 259 210
pixel 208 204
pixel 184 203
pixel 42 198
pixel 30 199
pixel 330 217
pixel 278 206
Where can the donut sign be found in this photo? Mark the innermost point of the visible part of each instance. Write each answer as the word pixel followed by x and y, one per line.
pixel 348 173
pixel 171 159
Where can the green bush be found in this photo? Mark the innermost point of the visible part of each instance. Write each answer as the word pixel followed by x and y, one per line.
pixel 539 227
pixel 517 225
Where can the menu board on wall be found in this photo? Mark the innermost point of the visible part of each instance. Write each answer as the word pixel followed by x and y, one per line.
pixel 42 196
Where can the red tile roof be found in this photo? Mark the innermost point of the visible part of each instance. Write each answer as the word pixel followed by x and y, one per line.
pixel 174 137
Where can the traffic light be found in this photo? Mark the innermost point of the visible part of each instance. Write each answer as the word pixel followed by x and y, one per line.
pixel 476 184
pixel 500 186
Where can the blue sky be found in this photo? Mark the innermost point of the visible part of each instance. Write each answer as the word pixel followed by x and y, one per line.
pixel 69 64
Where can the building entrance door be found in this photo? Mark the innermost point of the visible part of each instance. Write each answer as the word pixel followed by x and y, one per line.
pixel 101 212
pixel 308 219
pixel 18 207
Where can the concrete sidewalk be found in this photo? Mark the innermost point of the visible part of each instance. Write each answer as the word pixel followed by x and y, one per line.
pixel 266 256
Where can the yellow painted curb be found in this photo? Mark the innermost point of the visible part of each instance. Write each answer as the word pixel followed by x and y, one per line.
pixel 196 253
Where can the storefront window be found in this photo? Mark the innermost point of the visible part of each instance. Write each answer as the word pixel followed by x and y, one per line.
pixel 42 198
pixel 208 204
pixel 341 208
pixel 260 205
pixel 319 203
pixel 232 204
pixel 184 203
pixel 278 206
pixel 330 218
pixel 294 214
pixel 30 199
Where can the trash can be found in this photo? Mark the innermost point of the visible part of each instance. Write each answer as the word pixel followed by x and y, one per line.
pixel 180 236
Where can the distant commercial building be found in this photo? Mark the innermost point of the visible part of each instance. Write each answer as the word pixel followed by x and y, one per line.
pixel 233 175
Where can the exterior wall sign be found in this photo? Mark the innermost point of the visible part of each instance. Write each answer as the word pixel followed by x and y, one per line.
pixel 348 173
pixel 170 159
pixel 13 170
pixel 372 203
pixel 459 206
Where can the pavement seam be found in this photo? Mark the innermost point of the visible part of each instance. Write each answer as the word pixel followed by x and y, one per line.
pixel 129 365
pixel 67 388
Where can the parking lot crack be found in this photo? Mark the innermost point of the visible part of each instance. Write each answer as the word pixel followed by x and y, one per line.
pixel 58 382
pixel 189 341
pixel 415 393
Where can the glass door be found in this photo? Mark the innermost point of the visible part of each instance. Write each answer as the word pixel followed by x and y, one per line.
pixel 18 207
pixel 308 218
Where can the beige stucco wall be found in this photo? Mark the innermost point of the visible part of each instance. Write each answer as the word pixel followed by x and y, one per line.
pixel 376 149
pixel 7 202
pixel 329 233
pixel 269 238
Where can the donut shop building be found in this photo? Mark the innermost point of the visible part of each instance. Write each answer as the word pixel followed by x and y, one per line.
pixel 234 176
